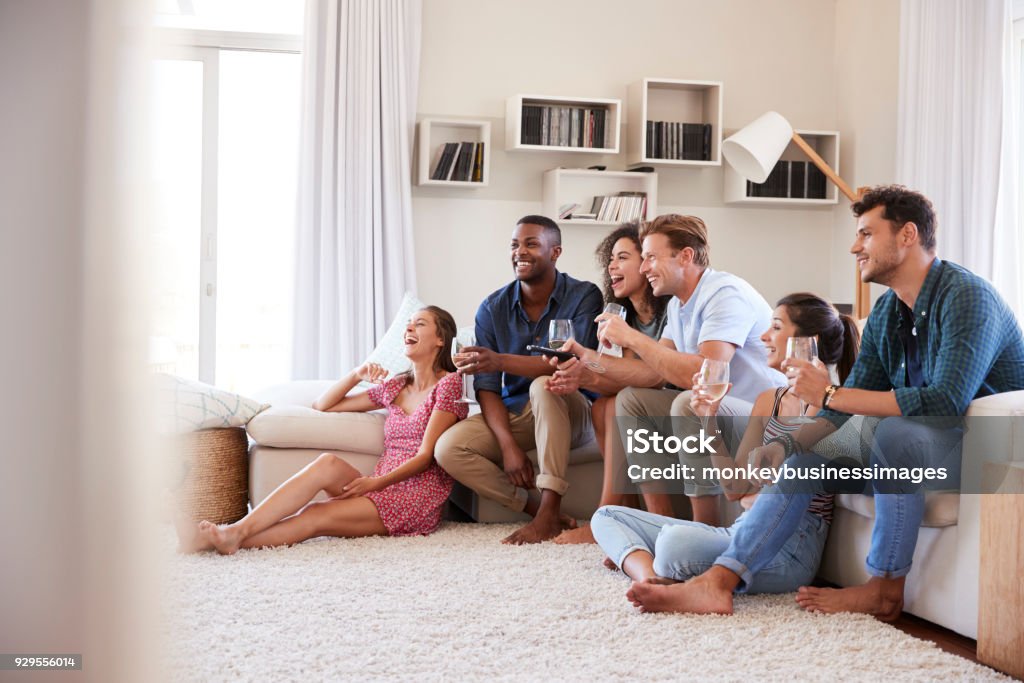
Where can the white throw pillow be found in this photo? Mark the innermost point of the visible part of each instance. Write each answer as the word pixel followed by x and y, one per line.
pixel 390 350
pixel 188 406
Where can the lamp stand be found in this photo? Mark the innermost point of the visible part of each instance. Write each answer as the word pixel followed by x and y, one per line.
pixel 862 292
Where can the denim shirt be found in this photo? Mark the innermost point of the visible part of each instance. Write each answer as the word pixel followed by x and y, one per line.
pixel 970 345
pixel 503 326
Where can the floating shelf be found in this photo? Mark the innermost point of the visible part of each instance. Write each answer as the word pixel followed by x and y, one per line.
pixel 673 101
pixel 824 142
pixel 435 133
pixel 574 185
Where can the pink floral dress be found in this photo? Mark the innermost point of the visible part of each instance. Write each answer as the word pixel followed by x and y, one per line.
pixel 413 506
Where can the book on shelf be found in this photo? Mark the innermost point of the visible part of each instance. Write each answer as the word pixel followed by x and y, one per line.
pixel 619 208
pixel 675 141
pixel 562 126
pixel 791 180
pixel 463 162
pixel 478 164
pixel 584 217
pixel 442 169
pixel 817 183
pixel 566 210
pixel 797 179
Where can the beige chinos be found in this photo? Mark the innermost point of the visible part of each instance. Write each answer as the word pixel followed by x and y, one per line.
pixel 552 424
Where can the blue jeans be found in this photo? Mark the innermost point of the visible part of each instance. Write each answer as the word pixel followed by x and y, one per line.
pixel 684 549
pixel 897 442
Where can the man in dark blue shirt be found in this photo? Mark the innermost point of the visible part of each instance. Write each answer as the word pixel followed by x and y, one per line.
pixel 939 338
pixel 487 452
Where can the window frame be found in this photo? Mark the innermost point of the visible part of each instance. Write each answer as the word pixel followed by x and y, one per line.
pixel 205 46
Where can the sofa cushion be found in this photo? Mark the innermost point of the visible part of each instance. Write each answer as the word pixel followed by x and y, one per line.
pixel 390 350
pixel 292 426
pixel 941 508
pixel 1009 403
pixel 187 406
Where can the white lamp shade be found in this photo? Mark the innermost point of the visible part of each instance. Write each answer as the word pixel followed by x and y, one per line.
pixel 754 149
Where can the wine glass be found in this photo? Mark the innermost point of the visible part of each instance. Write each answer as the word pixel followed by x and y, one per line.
pixel 559 332
pixel 802 348
pixel 713 382
pixel 459 342
pixel 611 349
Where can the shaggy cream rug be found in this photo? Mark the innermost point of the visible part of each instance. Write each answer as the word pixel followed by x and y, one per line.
pixel 458 605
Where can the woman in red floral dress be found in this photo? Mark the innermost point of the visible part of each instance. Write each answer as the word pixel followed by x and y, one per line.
pixel 408 488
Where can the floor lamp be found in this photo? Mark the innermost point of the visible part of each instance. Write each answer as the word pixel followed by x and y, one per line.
pixel 755 149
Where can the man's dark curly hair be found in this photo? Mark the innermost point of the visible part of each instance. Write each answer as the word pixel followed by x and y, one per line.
pixel 603 253
pixel 901 206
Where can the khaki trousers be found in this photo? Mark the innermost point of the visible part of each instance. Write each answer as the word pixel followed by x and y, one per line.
pixel 552 424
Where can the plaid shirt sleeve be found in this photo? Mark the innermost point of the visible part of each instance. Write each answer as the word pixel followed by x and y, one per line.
pixel 869 371
pixel 968 346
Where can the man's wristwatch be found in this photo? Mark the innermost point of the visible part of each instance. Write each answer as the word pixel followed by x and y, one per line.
pixel 830 391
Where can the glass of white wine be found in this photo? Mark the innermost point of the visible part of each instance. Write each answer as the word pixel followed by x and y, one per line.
pixel 559 332
pixel 610 349
pixel 802 348
pixel 712 382
pixel 459 342
pixel 714 378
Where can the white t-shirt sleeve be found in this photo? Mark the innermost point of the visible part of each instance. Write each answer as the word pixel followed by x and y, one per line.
pixel 727 317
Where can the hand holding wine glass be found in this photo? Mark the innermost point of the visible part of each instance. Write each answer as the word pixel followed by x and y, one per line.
pixel 459 342
pixel 603 346
pixel 713 379
pixel 806 349
pixel 712 384
pixel 702 403
pixel 559 332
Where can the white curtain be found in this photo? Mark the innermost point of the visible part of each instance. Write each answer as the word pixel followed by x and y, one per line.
pixel 354 252
pixel 956 139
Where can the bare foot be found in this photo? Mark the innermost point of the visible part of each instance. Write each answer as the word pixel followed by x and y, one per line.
pixel 697 596
pixel 225 539
pixel 661 581
pixel 610 564
pixel 190 540
pixel 566 521
pixel 579 535
pixel 881 598
pixel 539 530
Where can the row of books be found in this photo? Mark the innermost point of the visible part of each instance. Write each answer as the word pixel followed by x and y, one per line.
pixel 791 180
pixel 617 208
pixel 459 161
pixel 675 140
pixel 563 126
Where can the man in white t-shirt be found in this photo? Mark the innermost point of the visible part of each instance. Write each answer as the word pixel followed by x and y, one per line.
pixel 712 315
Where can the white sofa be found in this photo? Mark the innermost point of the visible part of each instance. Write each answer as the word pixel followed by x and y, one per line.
pixel 290 434
pixel 942 586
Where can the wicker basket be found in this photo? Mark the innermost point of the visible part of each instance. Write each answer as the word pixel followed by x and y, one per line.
pixel 215 464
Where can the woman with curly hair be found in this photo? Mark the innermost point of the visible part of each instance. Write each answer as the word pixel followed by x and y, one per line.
pixel 618 255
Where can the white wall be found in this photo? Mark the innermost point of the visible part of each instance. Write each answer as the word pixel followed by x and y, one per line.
pixel 867 88
pixel 770 55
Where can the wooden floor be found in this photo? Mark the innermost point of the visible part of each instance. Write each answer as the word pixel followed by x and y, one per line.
pixel 947 640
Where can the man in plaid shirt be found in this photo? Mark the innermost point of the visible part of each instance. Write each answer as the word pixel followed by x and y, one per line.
pixel 939 338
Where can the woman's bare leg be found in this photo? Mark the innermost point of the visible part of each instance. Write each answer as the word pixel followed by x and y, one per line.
pixel 348 518
pixel 327 473
pixel 602 412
